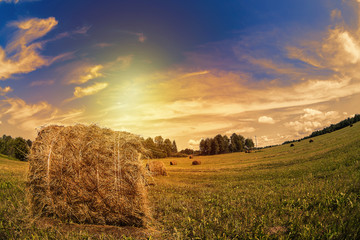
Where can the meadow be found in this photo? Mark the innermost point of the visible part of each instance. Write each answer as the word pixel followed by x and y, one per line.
pixel 309 191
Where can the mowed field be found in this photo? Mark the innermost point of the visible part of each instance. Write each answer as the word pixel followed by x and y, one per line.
pixel 311 190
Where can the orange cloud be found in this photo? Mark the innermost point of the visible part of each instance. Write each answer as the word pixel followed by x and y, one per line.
pixel 141 37
pixel 83 72
pixel 5 90
pixel 90 90
pixel 24 56
pixel 27 117
pixel 10 1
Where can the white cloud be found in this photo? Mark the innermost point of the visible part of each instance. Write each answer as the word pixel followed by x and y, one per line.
pixel 194 144
pixel 313 114
pixel 305 127
pixel 350 46
pixel 312 120
pixel 21 54
pixel 266 119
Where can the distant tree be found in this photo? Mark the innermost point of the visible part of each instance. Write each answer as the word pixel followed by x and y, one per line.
pixel 214 147
pixel 150 146
pixel 159 141
pixel 234 143
pixel 241 143
pixel 226 142
pixel 207 146
pixel 174 147
pixel 7 146
pixel 187 151
pixel 220 142
pixel 202 147
pixel 249 143
pixel 167 147
pixel 21 148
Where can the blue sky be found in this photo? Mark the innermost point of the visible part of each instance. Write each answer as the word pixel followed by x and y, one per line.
pixel 185 70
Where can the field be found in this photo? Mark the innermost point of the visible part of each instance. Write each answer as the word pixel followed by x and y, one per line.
pixel 311 190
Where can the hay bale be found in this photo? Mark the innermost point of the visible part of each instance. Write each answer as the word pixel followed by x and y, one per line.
pixel 311 141
pixel 191 156
pixel 173 163
pixel 156 168
pixel 196 162
pixel 87 174
pixel 291 145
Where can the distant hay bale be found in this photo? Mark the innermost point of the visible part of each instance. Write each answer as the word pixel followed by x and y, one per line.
pixel 311 141
pixel 351 125
pixel 173 163
pixel 87 174
pixel 291 145
pixel 191 156
pixel 196 162
pixel 156 168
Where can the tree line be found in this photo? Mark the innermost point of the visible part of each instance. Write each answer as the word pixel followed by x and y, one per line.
pixel 337 126
pixel 160 148
pixel 223 144
pixel 333 127
pixel 15 147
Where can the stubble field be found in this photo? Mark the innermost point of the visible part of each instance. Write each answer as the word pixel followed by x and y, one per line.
pixel 311 190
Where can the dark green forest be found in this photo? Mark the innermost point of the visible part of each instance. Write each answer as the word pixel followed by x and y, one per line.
pixel 223 144
pixel 15 147
pixel 160 148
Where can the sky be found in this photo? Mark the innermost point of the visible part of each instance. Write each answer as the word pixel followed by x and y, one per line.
pixel 185 70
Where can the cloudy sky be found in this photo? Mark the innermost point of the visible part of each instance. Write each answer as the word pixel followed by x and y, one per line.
pixel 186 70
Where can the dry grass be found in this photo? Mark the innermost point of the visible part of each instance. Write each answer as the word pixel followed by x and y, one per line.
pixel 87 174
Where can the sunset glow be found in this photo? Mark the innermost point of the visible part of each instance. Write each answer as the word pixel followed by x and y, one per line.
pixel 185 70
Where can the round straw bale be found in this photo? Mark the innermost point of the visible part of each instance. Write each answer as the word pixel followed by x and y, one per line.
pixel 156 168
pixel 173 163
pixel 196 162
pixel 87 174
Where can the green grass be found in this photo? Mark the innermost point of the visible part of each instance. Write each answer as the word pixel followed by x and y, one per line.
pixel 309 191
